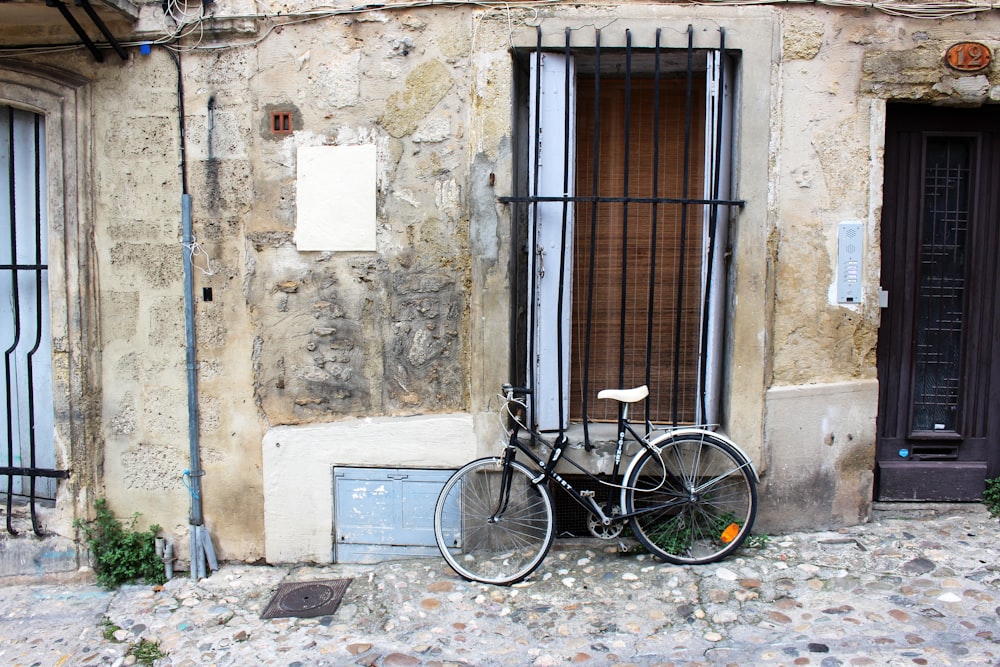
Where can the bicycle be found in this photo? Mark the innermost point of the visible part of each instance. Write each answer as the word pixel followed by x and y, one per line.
pixel 688 495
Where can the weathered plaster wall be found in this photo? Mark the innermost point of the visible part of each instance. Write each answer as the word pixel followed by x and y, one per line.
pixel 298 527
pixel 824 178
pixel 821 446
pixel 314 341
pixel 419 327
pixel 300 338
pixel 288 337
pixel 838 70
pixel 138 190
pixel 364 333
pixel 118 315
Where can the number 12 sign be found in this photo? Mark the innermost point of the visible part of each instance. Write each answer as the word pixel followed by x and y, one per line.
pixel 968 56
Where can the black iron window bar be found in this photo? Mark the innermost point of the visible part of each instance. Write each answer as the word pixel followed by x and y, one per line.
pixel 685 201
pixel 24 271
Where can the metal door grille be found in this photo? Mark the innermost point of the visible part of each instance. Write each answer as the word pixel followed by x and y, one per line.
pixel 27 468
pixel 941 296
pixel 687 206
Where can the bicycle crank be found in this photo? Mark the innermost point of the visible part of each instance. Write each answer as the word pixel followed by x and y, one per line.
pixel 606 532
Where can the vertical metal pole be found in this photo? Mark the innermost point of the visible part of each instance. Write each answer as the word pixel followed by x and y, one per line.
pixel 625 193
pixel 39 267
pixel 533 241
pixel 199 535
pixel 560 300
pixel 593 234
pixel 192 368
pixel 15 303
pixel 683 240
pixel 654 227
pixel 716 166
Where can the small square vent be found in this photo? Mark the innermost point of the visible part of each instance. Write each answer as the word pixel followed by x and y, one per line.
pixel 281 122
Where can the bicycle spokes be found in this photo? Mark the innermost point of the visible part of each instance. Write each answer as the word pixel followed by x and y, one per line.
pixel 693 500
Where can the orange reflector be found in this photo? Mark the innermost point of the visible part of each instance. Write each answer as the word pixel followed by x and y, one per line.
pixel 730 533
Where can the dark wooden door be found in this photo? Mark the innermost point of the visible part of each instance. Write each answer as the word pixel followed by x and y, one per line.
pixel 939 385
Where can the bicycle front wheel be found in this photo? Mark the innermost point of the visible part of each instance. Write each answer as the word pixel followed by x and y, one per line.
pixel 695 498
pixel 493 532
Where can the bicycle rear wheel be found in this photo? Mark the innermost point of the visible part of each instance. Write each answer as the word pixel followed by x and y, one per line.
pixel 490 536
pixel 696 498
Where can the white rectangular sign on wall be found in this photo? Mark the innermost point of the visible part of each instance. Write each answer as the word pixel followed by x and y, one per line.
pixel 335 198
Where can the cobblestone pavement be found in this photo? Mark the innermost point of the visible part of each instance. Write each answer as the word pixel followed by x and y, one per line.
pixel 918 587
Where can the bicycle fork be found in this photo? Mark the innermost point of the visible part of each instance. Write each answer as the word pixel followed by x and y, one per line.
pixel 505 477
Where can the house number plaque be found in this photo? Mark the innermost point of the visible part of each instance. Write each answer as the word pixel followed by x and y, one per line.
pixel 968 56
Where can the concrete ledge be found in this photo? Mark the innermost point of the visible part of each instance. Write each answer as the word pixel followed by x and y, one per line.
pixel 892 509
pixel 37 559
pixel 820 461
pixel 298 471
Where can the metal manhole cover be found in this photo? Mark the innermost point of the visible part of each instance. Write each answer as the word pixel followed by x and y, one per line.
pixel 306 599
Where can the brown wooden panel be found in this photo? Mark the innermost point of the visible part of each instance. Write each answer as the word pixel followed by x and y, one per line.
pixel 937 481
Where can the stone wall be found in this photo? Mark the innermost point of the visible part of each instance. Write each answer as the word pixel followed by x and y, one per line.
pixel 838 71
pixel 311 339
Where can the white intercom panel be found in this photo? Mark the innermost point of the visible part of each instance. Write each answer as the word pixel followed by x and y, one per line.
pixel 850 236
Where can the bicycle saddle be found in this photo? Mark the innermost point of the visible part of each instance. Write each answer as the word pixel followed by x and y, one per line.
pixel 625 395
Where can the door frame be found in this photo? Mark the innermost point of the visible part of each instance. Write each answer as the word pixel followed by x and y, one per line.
pixel 65 100
pixel 952 464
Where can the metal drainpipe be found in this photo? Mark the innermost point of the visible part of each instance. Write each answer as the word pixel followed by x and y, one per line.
pixel 200 542
pixel 197 536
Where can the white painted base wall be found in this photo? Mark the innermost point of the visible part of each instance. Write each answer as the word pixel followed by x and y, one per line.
pixel 298 471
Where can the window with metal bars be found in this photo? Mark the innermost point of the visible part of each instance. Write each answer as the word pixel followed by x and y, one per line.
pixel 620 227
pixel 27 463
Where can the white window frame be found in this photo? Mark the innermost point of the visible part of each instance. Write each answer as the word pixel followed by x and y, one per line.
pixel 550 109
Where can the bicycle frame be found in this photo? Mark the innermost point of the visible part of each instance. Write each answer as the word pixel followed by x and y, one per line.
pixel 546 467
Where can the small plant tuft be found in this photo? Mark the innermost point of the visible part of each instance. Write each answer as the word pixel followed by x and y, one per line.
pixel 109 629
pixel 121 553
pixel 991 496
pixel 757 541
pixel 146 652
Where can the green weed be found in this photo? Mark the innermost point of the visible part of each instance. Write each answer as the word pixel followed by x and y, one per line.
pixel 121 553
pixel 109 630
pixel 756 541
pixel 146 652
pixel 991 496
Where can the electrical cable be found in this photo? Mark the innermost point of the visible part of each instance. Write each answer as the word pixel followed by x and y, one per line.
pixel 188 23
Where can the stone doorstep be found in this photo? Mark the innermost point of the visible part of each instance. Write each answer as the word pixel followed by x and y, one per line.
pixel 899 509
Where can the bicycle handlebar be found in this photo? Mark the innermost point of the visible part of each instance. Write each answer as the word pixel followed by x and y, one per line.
pixel 509 389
